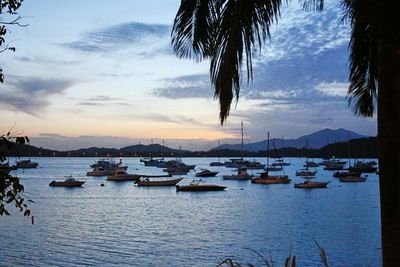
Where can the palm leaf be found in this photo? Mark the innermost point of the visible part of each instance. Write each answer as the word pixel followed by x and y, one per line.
pixel 362 91
pixel 192 29
pixel 242 25
pixel 223 30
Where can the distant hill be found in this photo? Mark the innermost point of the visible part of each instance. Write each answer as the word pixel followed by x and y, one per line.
pixel 318 147
pixel 315 140
pixel 154 148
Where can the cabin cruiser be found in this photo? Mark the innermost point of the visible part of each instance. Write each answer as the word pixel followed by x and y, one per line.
pixel 26 164
pixel 122 175
pixel 265 178
pixel 199 186
pixel 206 173
pixel 242 174
pixel 68 182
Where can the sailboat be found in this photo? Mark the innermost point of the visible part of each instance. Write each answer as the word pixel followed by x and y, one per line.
pixel 306 173
pixel 265 178
pixel 351 176
pixel 237 163
pixel 217 163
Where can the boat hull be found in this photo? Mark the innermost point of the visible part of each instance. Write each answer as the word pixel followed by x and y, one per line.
pixel 236 177
pixel 352 179
pixel 271 180
pixel 67 184
pixel 200 188
pixel 122 178
pixel 311 185
pixel 208 174
pixel 158 183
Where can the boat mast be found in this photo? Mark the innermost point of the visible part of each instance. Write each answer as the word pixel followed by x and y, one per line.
pixel 218 148
pixel 242 140
pixel 307 154
pixel 348 147
pixel 267 151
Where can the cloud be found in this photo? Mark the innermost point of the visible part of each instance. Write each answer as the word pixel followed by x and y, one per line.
pixel 179 120
pixel 307 51
pixel 44 60
pixel 101 100
pixel 30 94
pixel 187 86
pixel 333 88
pixel 53 135
pixel 153 38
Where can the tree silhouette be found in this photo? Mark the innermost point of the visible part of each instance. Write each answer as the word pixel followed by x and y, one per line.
pixel 226 32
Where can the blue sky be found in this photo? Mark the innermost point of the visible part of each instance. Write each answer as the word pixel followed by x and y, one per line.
pixel 103 73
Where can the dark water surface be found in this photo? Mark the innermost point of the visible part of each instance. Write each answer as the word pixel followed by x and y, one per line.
pixel 121 224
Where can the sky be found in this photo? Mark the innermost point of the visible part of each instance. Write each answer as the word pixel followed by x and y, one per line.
pixel 102 73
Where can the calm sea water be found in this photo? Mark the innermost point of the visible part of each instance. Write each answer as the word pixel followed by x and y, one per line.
pixel 121 224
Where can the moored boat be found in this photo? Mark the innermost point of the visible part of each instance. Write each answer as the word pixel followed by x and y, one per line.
pixel 217 163
pixel 151 182
pixel 280 162
pixel 265 178
pixel 352 179
pixel 101 171
pixel 306 173
pixel 206 173
pixel 345 174
pixel 241 175
pixel 272 168
pixel 122 175
pixel 69 182
pixel 310 185
pixel 198 186
pixel 26 164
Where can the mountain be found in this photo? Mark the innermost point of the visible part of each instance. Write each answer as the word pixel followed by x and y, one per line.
pixel 315 140
pixel 154 148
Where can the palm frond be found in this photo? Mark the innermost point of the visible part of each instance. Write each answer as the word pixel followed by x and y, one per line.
pixel 192 29
pixel 310 5
pixel 362 91
pixel 242 24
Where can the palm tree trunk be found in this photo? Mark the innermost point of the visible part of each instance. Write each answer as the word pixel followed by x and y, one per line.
pixel 389 148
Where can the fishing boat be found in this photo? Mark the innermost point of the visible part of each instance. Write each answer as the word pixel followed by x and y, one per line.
pixel 199 186
pixel 206 173
pixel 157 182
pixel 310 185
pixel 101 171
pixel 151 162
pixel 26 164
pixel 68 182
pixel 108 163
pixel 352 179
pixel 242 174
pixel 122 175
